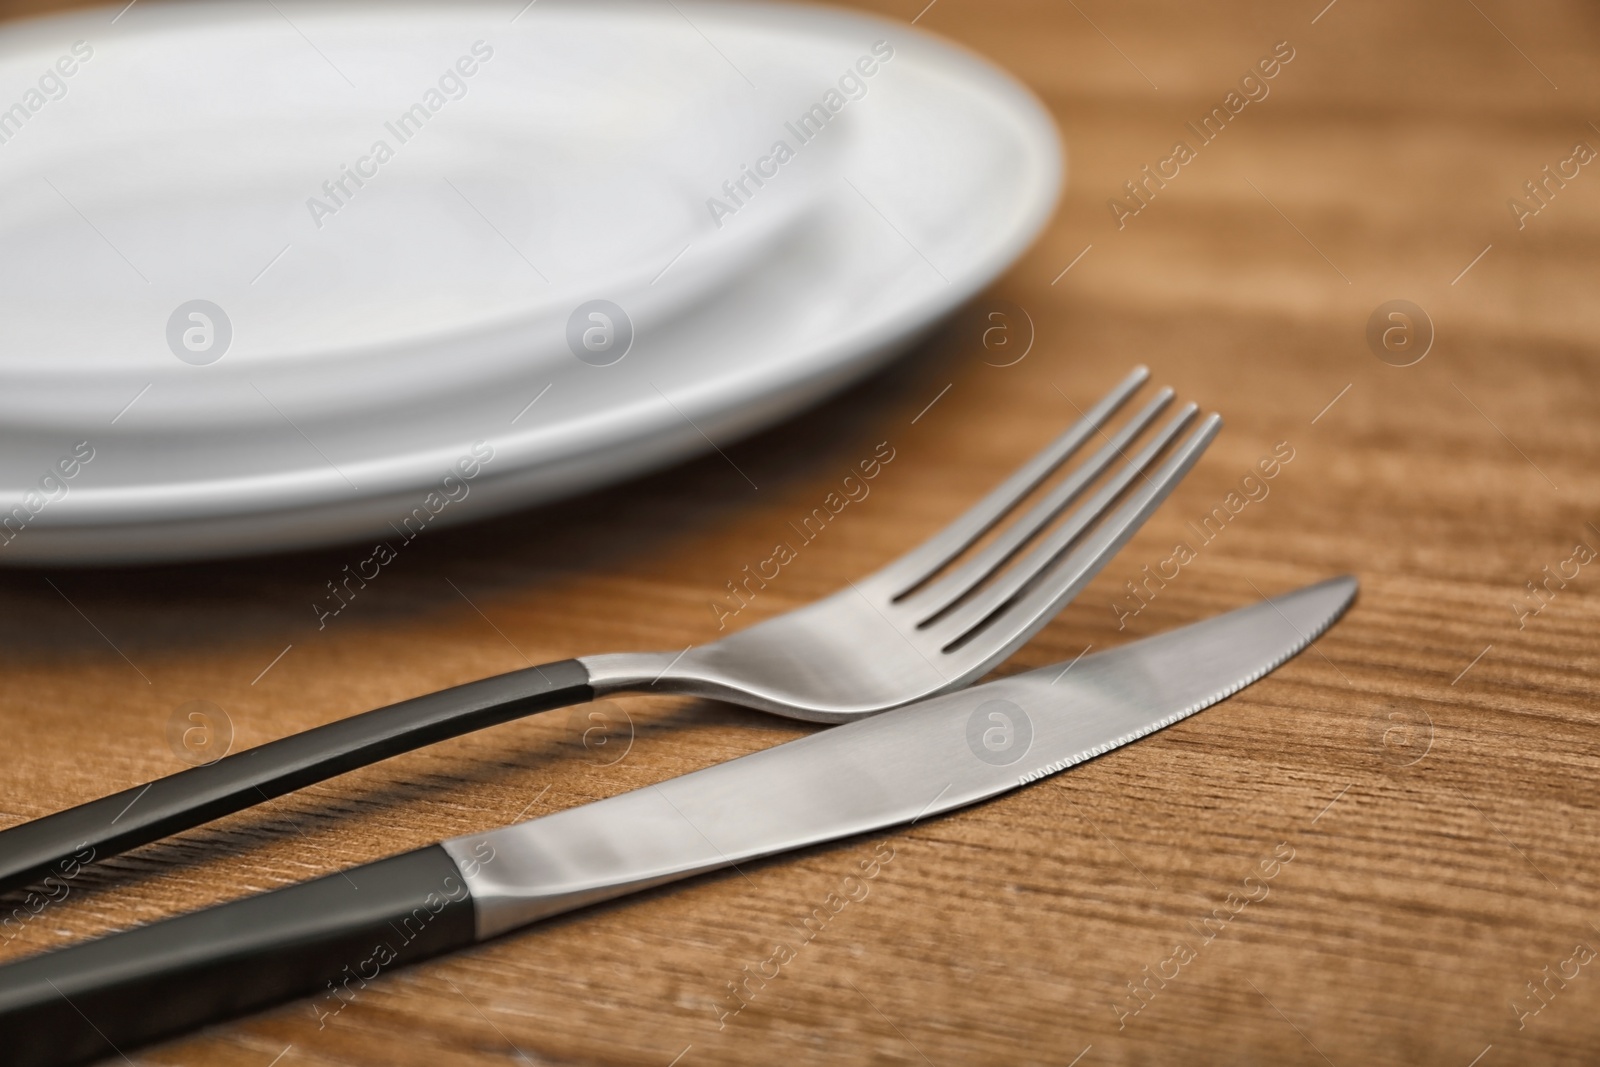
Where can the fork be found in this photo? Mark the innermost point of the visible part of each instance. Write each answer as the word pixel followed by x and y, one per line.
pixel 928 622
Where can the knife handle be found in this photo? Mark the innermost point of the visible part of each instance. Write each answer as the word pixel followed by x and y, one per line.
pixel 331 936
pixel 137 816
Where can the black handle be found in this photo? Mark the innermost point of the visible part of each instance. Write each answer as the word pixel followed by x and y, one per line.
pixel 146 813
pixel 332 935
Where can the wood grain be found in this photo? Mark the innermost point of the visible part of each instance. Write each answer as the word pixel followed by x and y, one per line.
pixel 1430 768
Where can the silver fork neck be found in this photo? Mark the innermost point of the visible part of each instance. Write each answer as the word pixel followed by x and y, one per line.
pixel 695 673
pixel 633 672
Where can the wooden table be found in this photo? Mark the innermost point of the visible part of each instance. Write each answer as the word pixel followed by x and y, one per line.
pixel 1423 789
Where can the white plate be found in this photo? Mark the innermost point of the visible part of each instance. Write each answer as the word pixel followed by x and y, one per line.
pixel 921 190
pixel 546 174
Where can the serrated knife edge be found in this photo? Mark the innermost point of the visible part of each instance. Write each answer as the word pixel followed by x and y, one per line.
pixel 903 765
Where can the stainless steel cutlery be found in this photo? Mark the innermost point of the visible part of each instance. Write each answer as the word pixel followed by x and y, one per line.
pixel 919 761
pixel 930 622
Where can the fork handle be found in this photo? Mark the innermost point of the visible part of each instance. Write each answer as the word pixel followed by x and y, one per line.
pixel 59 843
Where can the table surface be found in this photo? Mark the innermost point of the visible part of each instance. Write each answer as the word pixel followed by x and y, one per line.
pixel 1426 782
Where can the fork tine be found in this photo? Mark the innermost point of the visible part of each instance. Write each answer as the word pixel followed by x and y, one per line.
pixel 1012 627
pixel 918 565
pixel 1009 628
pixel 932 599
pixel 1011 598
pixel 1007 585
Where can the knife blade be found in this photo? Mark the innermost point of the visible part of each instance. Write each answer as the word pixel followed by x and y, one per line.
pixel 931 757
pixel 335 934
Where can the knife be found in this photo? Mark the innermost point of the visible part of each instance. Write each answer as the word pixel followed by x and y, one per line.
pixel 333 935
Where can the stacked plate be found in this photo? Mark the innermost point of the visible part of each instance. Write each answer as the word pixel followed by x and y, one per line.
pixel 277 276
